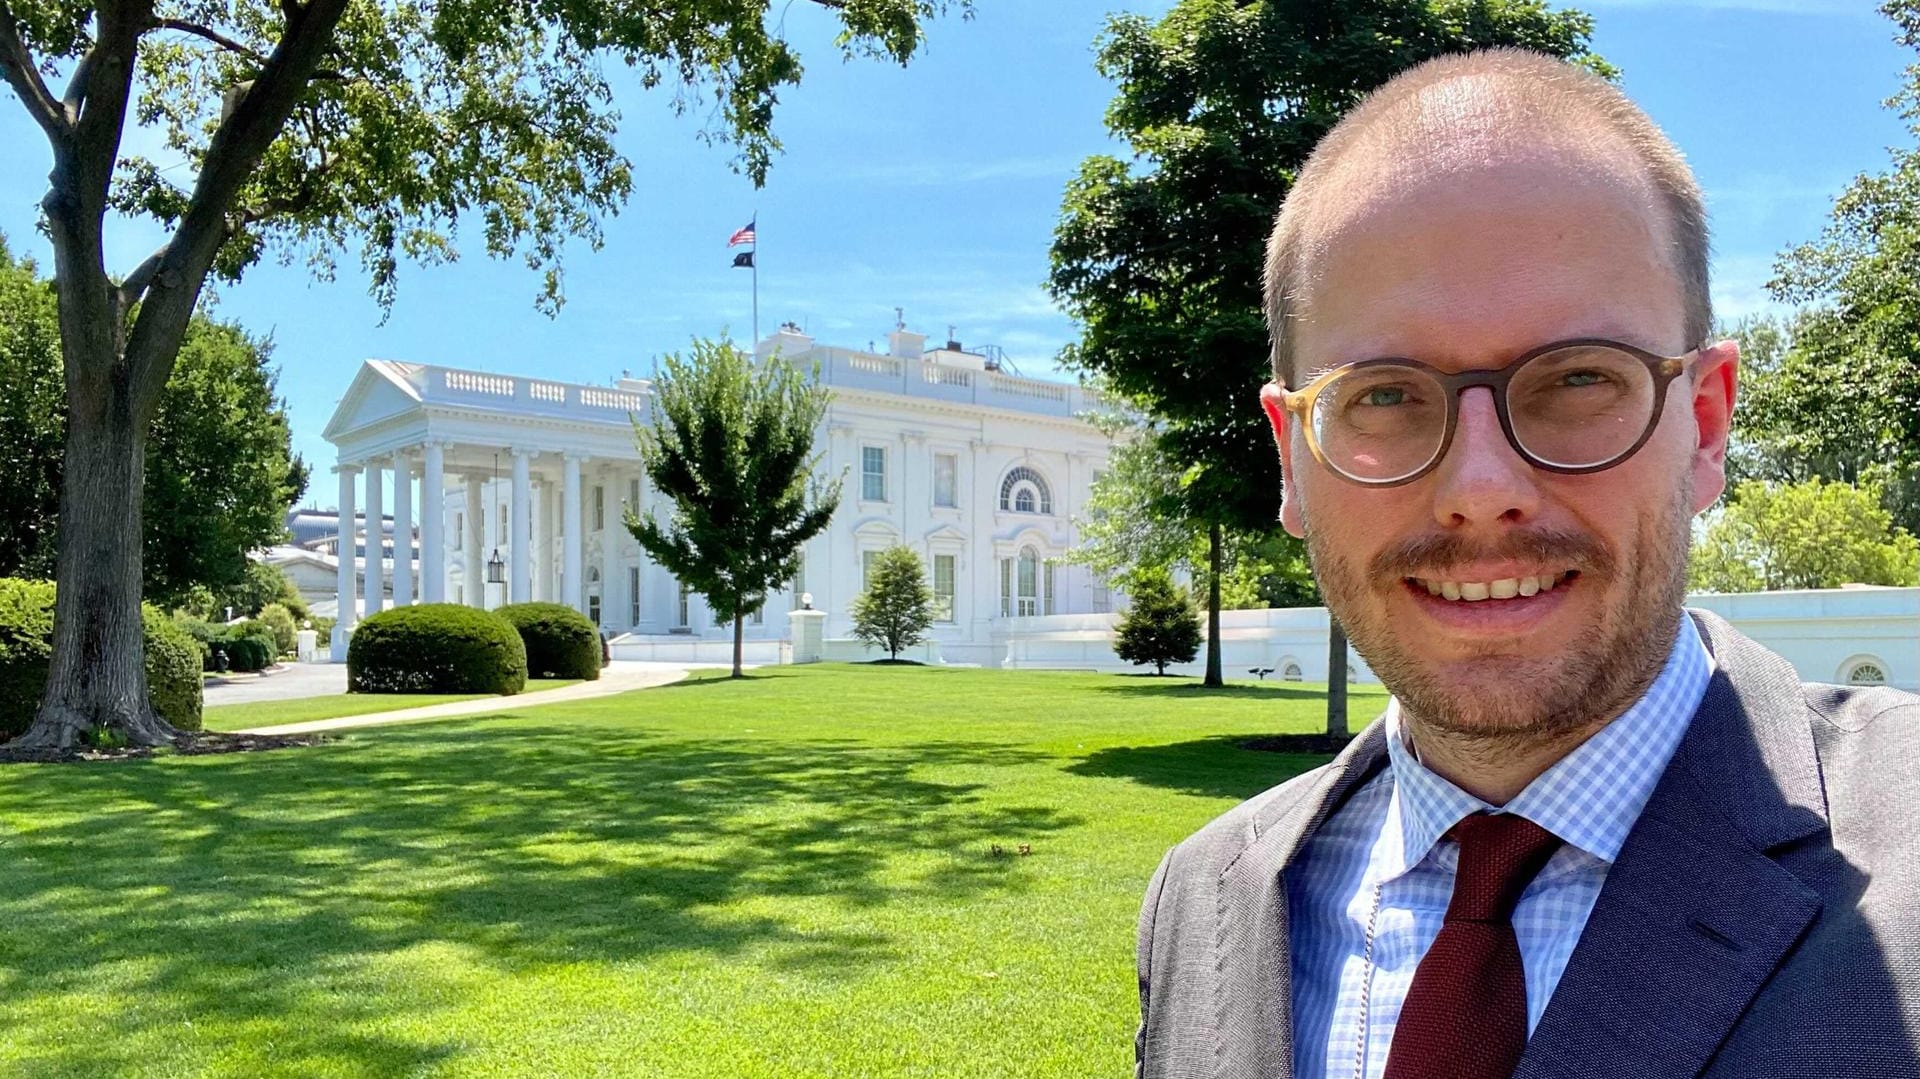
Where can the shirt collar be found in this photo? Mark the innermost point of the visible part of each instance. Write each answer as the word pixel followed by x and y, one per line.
pixel 1591 797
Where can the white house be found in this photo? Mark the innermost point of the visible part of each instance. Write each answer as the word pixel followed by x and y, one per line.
pixel 527 479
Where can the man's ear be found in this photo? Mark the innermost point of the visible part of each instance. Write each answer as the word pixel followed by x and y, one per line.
pixel 1716 380
pixel 1273 401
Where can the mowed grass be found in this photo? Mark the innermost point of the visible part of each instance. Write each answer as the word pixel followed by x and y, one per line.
pixel 235 717
pixel 786 876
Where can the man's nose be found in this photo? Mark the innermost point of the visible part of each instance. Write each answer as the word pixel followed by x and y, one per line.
pixel 1482 480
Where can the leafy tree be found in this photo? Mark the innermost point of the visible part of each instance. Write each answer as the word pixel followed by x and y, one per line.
pixel 1814 534
pixel 1160 626
pixel 896 609
pixel 309 127
pixel 1160 258
pixel 1137 518
pixel 731 447
pixel 220 471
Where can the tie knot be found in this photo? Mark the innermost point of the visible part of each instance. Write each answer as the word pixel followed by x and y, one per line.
pixel 1499 854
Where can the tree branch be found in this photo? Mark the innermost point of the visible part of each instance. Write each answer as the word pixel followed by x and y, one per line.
pixel 18 66
pixel 234 151
pixel 210 34
pixel 137 281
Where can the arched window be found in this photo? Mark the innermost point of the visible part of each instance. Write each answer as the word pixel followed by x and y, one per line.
pixel 1025 491
pixel 1290 673
pixel 1867 673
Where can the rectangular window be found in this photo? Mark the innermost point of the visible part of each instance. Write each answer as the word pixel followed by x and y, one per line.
pixel 502 530
pixel 599 508
pixel 633 596
pixel 799 583
pixel 1047 573
pixel 873 473
pixel 459 531
pixel 633 495
pixel 759 615
pixel 686 609
pixel 946 480
pixel 943 566
pixel 1006 588
pixel 866 568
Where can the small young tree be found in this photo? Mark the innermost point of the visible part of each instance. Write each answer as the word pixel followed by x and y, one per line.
pixel 731 447
pixel 1160 626
pixel 897 607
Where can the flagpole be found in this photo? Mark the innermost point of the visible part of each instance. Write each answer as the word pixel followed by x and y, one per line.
pixel 756 281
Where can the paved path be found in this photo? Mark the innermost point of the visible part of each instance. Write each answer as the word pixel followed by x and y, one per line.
pixel 292 682
pixel 619 677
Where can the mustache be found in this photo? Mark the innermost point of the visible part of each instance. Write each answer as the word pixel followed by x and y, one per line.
pixel 1425 554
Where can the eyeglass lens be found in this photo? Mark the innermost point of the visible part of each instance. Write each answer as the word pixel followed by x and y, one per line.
pixel 1574 407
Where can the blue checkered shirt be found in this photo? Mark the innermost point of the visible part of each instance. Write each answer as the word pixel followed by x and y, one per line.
pixel 1390 835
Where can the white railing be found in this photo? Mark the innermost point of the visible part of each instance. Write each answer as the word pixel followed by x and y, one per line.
pixel 552 392
pixel 615 399
pixel 940 375
pixel 1022 387
pixel 874 365
pixel 475 382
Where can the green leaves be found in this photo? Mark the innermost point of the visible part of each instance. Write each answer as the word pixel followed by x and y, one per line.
pixel 1805 535
pixel 895 610
pixel 731 448
pixel 1160 625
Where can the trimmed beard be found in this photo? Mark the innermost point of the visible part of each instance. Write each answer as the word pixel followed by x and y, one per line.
pixel 1528 699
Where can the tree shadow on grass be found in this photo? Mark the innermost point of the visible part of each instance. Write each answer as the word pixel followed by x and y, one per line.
pixel 291 896
pixel 1148 686
pixel 1217 767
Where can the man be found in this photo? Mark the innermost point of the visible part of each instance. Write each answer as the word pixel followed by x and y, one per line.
pixel 1594 834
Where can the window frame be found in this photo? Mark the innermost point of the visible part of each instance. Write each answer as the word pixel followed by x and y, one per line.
pixel 868 476
pixel 952 460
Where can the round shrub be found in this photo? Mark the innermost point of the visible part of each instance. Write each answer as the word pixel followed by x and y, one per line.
pixel 436 648
pixel 280 621
pixel 245 652
pixel 561 642
pixel 26 652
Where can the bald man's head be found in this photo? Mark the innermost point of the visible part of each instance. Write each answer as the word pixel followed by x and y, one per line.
pixel 1469 113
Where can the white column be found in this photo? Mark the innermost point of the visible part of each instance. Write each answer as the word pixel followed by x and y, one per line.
pixel 546 530
pixel 519 532
pixel 402 531
pixel 433 526
pixel 613 577
pixel 473 570
pixel 573 562
pixel 345 596
pixel 375 597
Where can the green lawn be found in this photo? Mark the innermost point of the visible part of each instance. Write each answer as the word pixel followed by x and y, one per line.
pixel 234 717
pixel 787 876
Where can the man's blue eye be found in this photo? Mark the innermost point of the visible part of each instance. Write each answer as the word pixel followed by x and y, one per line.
pixel 1385 396
pixel 1582 378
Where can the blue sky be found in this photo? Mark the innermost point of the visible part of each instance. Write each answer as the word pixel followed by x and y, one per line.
pixel 935 188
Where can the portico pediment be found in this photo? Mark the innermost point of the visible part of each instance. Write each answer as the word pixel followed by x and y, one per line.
pixel 382 390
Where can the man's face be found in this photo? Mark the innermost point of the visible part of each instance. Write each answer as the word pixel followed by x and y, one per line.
pixel 1467 271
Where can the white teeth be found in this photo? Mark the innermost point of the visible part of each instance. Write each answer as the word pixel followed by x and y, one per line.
pixel 1505 588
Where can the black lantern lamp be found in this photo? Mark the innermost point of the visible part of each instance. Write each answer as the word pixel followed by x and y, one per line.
pixel 496 567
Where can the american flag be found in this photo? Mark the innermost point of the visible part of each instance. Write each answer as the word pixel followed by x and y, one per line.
pixel 744 236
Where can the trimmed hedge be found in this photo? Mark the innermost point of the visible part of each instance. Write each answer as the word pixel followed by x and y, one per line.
pixel 561 642
pixel 436 648
pixel 26 650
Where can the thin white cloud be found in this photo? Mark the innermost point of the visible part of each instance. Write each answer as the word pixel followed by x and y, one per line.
pixel 1740 287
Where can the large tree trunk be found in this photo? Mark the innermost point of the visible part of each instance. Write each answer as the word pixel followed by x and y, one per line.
pixel 1336 678
pixel 98 675
pixel 739 638
pixel 1213 606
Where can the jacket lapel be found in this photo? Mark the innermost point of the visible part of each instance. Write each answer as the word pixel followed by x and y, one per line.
pixel 1696 913
pixel 1253 993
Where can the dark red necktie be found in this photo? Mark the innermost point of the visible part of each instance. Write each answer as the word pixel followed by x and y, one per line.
pixel 1465 1016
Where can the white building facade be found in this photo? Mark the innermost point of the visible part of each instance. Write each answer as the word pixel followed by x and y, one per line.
pixel 976 469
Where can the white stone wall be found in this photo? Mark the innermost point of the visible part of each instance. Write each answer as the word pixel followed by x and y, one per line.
pixel 1826 634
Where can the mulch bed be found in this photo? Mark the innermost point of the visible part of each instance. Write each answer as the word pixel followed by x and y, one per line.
pixel 189 744
pixel 1298 743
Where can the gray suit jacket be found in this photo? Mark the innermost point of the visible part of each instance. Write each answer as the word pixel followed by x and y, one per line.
pixel 1763 918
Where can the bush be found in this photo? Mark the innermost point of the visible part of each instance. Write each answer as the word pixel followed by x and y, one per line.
pixel 560 641
pixel 245 652
pixel 1161 626
pixel 26 650
pixel 277 618
pixel 436 648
